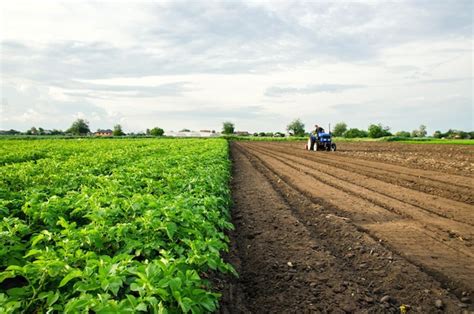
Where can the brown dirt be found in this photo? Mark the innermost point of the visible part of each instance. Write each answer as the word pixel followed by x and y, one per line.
pixel 456 159
pixel 335 232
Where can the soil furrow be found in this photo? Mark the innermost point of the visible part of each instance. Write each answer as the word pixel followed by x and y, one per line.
pixel 335 266
pixel 387 202
pixel 450 257
pixel 456 211
pixel 445 159
pixel 464 182
pixel 438 225
pixel 433 187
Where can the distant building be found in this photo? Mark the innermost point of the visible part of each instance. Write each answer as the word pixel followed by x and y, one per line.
pixel 201 133
pixel 107 132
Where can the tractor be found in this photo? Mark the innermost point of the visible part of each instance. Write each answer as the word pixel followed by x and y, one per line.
pixel 322 141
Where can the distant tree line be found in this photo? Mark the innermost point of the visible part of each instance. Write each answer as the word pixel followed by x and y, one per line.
pixel 80 127
pixel 378 130
pixel 373 131
pixel 32 131
pixel 297 128
pixel 454 134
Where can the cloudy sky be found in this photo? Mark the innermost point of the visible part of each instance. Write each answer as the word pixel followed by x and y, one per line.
pixel 195 64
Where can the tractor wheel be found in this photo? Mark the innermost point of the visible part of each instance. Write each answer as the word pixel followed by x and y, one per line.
pixel 333 147
pixel 316 148
pixel 310 144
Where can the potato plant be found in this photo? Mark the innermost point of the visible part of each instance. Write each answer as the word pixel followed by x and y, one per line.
pixel 112 225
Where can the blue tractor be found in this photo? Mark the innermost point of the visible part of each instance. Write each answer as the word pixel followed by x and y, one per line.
pixel 321 141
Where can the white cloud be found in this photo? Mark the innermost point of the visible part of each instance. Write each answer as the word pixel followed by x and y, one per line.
pixel 51 20
pixel 144 63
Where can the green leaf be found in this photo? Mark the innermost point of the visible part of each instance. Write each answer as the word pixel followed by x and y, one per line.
pixel 134 287
pixel 62 222
pixel 171 229
pixel 33 252
pixel 175 284
pixel 36 239
pixel 104 284
pixel 209 304
pixel 15 268
pixel 141 307
pixel 212 263
pixel 73 274
pixel 115 286
pixel 185 304
pixel 17 292
pixel 76 305
pixel 50 296
pixel 53 298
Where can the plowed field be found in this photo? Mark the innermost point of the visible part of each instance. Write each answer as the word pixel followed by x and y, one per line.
pixel 372 227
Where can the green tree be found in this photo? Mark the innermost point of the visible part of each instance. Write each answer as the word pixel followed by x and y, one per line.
pixel 156 131
pixel 10 132
pixel 79 127
pixel 261 134
pixel 118 130
pixel 403 134
pixel 34 131
pixel 354 133
pixel 437 134
pixel 421 132
pixel 228 127
pixel 377 130
pixel 339 129
pixel 57 132
pixel 452 133
pixel 296 128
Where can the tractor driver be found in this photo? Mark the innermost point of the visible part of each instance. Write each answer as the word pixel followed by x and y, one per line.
pixel 317 130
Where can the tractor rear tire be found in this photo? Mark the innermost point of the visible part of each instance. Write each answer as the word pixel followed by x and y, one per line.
pixel 333 147
pixel 310 144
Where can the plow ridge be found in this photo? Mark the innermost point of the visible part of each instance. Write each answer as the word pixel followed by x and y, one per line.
pixel 437 227
pixel 378 188
pixel 412 178
pixel 318 237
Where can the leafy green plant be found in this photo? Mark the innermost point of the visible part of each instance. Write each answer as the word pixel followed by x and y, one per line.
pixel 132 225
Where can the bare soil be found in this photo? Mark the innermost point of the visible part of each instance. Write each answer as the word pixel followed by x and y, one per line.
pixel 352 231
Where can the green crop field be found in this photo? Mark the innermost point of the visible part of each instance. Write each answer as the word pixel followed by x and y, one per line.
pixel 111 226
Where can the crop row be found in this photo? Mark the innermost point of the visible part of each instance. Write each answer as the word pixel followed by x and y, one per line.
pixel 112 226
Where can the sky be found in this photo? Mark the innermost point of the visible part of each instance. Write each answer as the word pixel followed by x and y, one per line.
pixel 258 64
